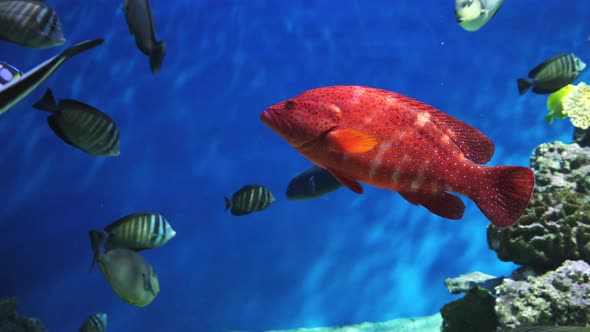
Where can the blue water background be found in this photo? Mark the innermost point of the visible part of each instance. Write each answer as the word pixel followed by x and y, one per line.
pixel 191 134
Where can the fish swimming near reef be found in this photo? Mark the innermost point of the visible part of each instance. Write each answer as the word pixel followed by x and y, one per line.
pixel 17 89
pixel 130 276
pixel 248 199
pixel 553 74
pixel 30 23
pixel 95 323
pixel 394 142
pixel 138 14
pixel 8 73
pixel 138 231
pixel 474 14
pixel 81 125
pixel 312 183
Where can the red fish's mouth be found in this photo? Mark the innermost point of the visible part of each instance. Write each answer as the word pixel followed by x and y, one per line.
pixel 266 118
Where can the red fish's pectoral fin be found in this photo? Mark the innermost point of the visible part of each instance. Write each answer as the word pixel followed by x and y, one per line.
pixel 442 204
pixel 350 183
pixel 350 141
pixel 507 195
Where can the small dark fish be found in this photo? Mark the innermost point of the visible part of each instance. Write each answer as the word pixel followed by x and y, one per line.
pixel 95 323
pixel 81 125
pixel 15 90
pixel 8 73
pixel 553 74
pixel 551 328
pixel 138 14
pixel 249 199
pixel 30 23
pixel 312 183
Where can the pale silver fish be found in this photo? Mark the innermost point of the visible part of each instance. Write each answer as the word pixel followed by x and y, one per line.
pixel 30 23
pixel 15 90
pixel 474 14
pixel 312 183
pixel 138 14
pixel 553 74
pixel 81 125
pixel 130 276
pixel 95 323
pixel 8 73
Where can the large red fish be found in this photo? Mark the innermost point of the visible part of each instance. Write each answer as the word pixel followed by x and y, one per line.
pixel 394 142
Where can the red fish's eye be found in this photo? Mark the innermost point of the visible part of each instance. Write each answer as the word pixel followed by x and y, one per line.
pixel 290 103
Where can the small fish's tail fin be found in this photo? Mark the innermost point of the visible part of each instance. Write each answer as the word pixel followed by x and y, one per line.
pixel 505 194
pixel 97 238
pixel 47 103
pixel 227 203
pixel 157 56
pixel 523 85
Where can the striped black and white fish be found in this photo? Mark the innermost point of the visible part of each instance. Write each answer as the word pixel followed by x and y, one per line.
pixel 81 125
pixel 249 199
pixel 95 323
pixel 8 73
pixel 138 14
pixel 30 23
pixel 15 90
pixel 139 231
pixel 553 74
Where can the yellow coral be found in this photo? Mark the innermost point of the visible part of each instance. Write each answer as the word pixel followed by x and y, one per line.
pixel 576 105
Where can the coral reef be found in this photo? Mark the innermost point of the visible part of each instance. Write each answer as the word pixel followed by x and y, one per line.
pixel 473 312
pixel 558 297
pixel 10 322
pixel 556 226
pixel 465 282
pixel 582 137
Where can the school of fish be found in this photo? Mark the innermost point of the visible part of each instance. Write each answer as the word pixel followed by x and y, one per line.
pixel 351 135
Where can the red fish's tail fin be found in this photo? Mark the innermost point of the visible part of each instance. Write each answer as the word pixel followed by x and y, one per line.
pixel 505 193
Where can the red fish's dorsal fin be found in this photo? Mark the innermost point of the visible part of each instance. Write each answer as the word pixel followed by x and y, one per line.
pixel 350 141
pixel 350 183
pixel 476 146
pixel 442 204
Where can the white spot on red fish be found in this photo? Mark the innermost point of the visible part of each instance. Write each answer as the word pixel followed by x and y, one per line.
pixel 422 118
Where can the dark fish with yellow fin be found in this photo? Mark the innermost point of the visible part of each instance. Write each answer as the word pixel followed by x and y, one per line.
pixel 312 183
pixel 248 199
pixel 551 328
pixel 8 73
pixel 130 276
pixel 30 23
pixel 81 125
pixel 95 323
pixel 553 74
pixel 138 14
pixel 15 90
